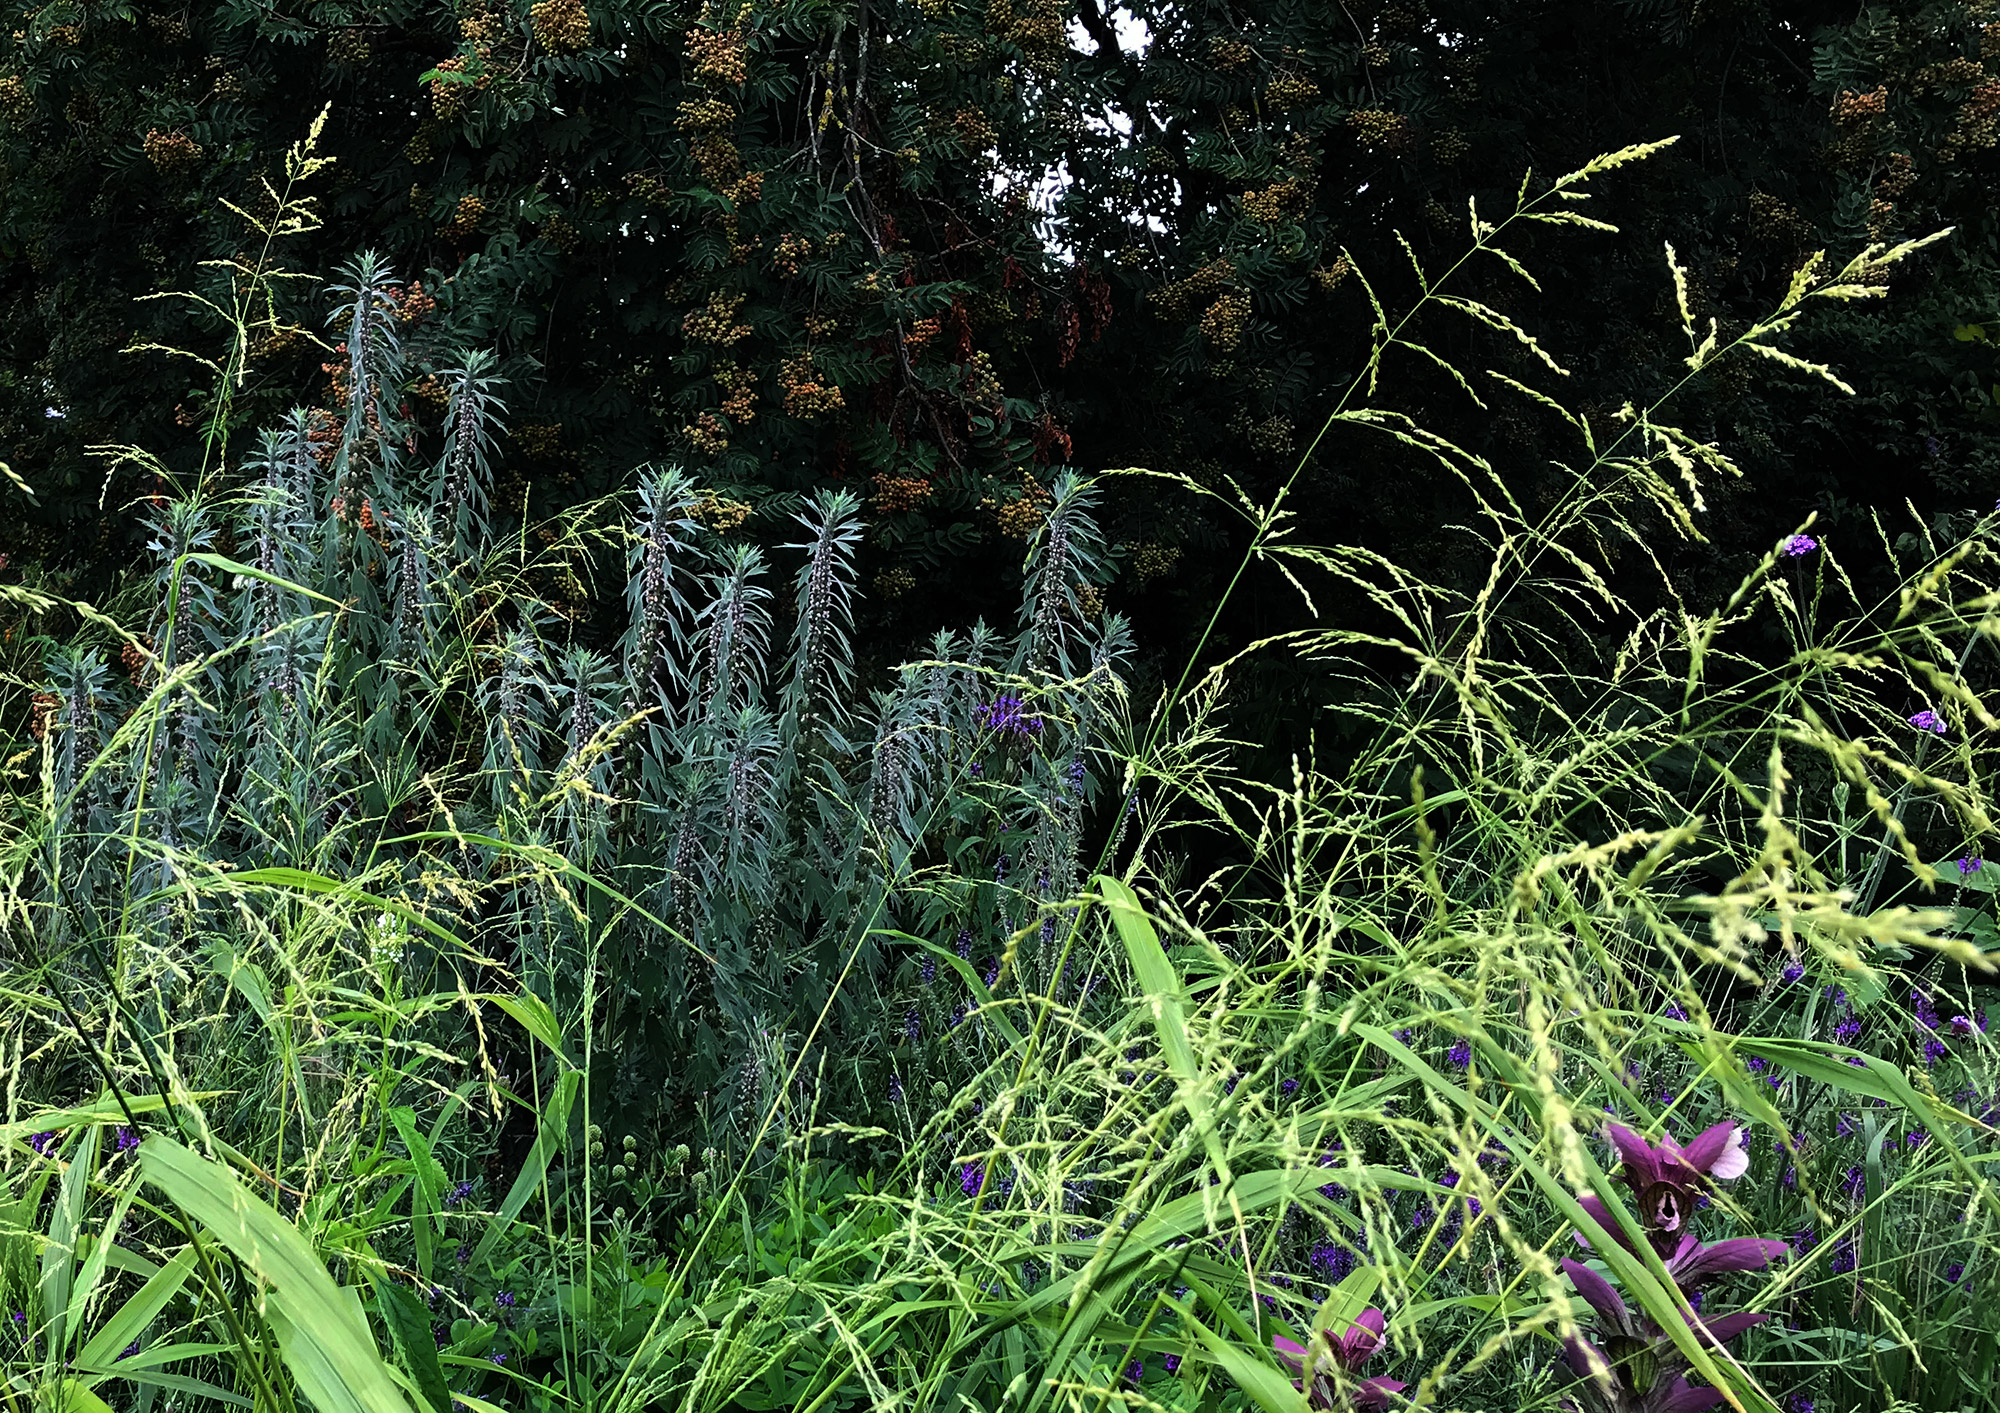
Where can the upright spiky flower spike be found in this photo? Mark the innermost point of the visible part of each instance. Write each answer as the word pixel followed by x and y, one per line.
pixel 465 473
pixel 822 640
pixel 732 637
pixel 655 606
pixel 1064 558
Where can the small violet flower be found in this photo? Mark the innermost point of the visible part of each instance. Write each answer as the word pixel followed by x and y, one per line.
pixel 1799 546
pixel 1928 721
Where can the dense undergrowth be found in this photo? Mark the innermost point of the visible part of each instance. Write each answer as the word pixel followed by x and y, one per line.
pixel 438 974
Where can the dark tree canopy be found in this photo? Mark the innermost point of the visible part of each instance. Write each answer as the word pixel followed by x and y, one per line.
pixel 936 249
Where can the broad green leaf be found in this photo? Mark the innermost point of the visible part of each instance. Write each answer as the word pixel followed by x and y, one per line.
pixel 552 1134
pixel 1269 1389
pixel 409 1329
pixel 65 1228
pixel 1162 986
pixel 322 1334
pixel 427 1195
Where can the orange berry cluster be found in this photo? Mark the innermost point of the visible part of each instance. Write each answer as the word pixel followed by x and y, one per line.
pixel 894 582
pixel 16 103
pixel 1152 561
pixel 171 152
pixel 1328 277
pixel 790 252
pixel 715 322
pixel 717 55
pixel 922 331
pixel 1178 298
pixel 707 434
pixel 807 395
pixel 1223 324
pixel 1022 516
pixel 1378 127
pixel 465 219
pixel 449 97
pixel 894 493
pixel 1277 202
pixel 1229 53
pixel 1290 90
pixel 705 114
pixel 561 26
pixel 740 406
pixel 1975 126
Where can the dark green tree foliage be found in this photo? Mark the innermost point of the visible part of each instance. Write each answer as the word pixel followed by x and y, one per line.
pixel 792 243
pixel 932 250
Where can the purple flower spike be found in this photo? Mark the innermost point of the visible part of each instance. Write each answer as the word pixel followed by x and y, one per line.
pixel 1346 1353
pixel 41 1143
pixel 1799 546
pixel 1971 863
pixel 1928 721
pixel 1961 1025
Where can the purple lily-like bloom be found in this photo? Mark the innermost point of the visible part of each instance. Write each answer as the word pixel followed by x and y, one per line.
pixel 1344 1353
pixel 1637 1369
pixel 1668 1178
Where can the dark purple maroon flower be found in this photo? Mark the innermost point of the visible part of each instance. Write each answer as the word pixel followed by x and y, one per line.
pixel 1343 1354
pixel 1665 1180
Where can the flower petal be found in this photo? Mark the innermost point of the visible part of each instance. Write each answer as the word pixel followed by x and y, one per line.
pixel 1724 1328
pixel 1714 1152
pixel 1604 1218
pixel 1587 1361
pixel 1361 1339
pixel 1293 1355
pixel 1598 1293
pixel 1640 1156
pixel 1683 1397
pixel 1744 1253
